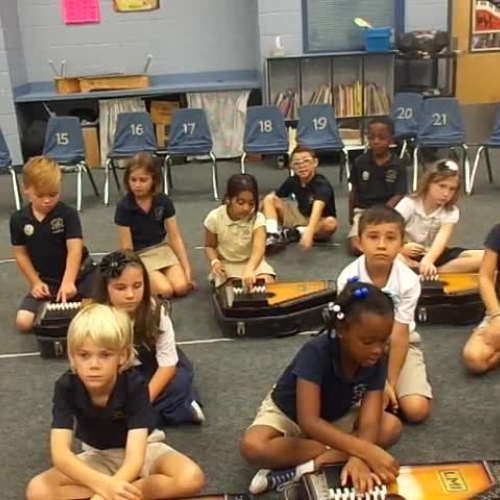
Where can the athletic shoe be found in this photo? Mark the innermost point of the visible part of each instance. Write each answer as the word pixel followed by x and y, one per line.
pixel 274 243
pixel 199 416
pixel 291 235
pixel 267 480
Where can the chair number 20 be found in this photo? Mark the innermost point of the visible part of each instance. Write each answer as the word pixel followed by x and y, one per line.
pixel 137 129
pixel 319 123
pixel 62 138
pixel 404 113
pixel 266 126
pixel 188 128
pixel 439 119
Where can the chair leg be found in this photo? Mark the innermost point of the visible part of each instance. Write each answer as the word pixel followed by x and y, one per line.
pixel 415 168
pixel 347 166
pixel 115 175
pixel 79 174
pixel 107 168
pixel 91 178
pixel 243 156
pixel 165 177
pixel 474 168
pixel 169 173
pixel 215 177
pixel 15 188
pixel 404 147
pixel 488 164
pixel 466 167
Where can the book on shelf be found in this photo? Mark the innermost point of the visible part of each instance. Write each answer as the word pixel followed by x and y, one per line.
pixel 288 102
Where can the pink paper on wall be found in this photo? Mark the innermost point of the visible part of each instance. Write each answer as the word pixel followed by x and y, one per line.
pixel 81 11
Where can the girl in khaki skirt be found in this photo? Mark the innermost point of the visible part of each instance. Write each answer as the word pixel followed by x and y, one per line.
pixel 235 235
pixel 146 222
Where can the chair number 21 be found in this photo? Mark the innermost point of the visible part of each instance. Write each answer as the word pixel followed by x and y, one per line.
pixel 266 126
pixel 319 123
pixel 62 138
pixel 439 119
pixel 188 128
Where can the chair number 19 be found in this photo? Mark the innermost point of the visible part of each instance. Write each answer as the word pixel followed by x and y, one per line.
pixel 62 138
pixel 266 125
pixel 188 128
pixel 137 129
pixel 319 123
pixel 439 119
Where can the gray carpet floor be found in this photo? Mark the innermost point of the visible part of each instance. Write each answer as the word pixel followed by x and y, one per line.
pixel 233 376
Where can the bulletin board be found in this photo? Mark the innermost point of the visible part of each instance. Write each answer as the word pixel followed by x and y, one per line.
pixel 485 29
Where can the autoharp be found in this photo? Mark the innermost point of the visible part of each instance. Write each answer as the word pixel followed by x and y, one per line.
pixel 440 481
pixel 450 299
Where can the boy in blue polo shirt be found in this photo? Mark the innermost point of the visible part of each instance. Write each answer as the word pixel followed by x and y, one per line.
pixel 377 177
pixel 107 404
pixel 327 406
pixel 46 237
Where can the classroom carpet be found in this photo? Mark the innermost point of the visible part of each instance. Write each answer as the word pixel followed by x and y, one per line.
pixel 234 375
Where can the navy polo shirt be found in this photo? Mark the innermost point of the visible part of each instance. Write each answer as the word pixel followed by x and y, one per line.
pixel 492 242
pixel 318 362
pixel 45 241
pixel 147 228
pixel 377 184
pixel 318 188
pixel 106 427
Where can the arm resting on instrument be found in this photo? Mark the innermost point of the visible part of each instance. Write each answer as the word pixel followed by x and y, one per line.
pixel 487 277
pixel 25 265
pixel 440 242
pixel 370 416
pixel 399 343
pixel 73 259
pixel 211 245
pixel 177 243
pixel 258 248
pixel 313 426
pixel 125 237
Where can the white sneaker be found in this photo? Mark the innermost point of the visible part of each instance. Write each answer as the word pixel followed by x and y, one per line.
pixel 267 480
pixel 198 412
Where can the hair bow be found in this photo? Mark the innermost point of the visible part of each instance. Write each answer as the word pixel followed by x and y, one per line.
pixel 395 298
pixel 113 264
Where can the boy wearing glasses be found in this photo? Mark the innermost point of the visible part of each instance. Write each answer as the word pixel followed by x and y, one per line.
pixel 312 217
pixel 377 178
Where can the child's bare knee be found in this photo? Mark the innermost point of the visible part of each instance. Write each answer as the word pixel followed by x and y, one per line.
pixel 38 490
pixel 25 321
pixel 415 409
pixel 193 480
pixel 252 450
pixel 330 225
pixel 181 289
pixel 391 430
pixel 474 360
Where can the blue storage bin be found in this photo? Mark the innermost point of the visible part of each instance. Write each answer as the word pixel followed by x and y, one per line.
pixel 377 39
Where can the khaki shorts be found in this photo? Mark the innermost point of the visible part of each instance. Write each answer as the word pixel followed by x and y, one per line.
pixel 412 380
pixel 292 216
pixel 158 257
pixel 235 270
pixel 269 414
pixel 109 461
pixel 354 231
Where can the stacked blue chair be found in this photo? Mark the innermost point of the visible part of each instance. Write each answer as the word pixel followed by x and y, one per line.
pixel 441 126
pixel 189 136
pixel 6 162
pixel 134 134
pixel 265 132
pixel 318 130
pixel 492 143
pixel 64 144
pixel 405 113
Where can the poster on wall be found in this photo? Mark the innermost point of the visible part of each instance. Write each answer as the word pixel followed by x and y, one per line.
pixel 81 11
pixel 485 25
pixel 135 5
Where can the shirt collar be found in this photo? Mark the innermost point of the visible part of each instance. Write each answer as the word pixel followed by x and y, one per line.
pixel 230 222
pixel 83 399
pixel 420 210
pixel 388 164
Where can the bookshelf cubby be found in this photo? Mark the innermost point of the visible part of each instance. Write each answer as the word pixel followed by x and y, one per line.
pixel 360 85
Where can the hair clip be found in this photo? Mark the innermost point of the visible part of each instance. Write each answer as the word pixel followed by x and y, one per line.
pixel 391 295
pixel 113 264
pixel 451 165
pixel 361 293
pixel 338 312
pixel 353 279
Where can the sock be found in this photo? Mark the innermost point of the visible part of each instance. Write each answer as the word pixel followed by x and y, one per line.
pixel 272 226
pixel 305 468
pixel 301 229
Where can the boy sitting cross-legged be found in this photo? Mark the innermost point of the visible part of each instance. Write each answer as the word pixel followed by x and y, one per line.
pixel 381 236
pixel 313 217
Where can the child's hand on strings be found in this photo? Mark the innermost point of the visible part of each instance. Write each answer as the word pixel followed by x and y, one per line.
pixel 40 290
pixel 66 291
pixel 427 268
pixel 384 465
pixel 362 478
pixel 248 279
pixel 218 268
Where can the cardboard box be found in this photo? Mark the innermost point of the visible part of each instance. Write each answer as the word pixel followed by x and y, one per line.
pixel 162 111
pixel 92 149
pixel 161 136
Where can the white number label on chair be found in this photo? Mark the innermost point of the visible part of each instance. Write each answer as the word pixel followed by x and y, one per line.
pixel 404 113
pixel 266 126
pixel 137 129
pixel 320 123
pixel 189 128
pixel 62 138
pixel 439 119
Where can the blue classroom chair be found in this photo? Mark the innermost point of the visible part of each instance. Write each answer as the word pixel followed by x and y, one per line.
pixel 6 162
pixel 405 113
pixel 265 132
pixel 189 136
pixel 134 134
pixel 64 144
pixel 441 126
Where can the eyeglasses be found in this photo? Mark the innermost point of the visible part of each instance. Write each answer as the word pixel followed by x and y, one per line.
pixel 447 165
pixel 296 164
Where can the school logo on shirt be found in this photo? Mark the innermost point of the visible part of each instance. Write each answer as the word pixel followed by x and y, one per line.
pixel 358 392
pixel 28 229
pixel 57 225
pixel 118 415
pixel 365 175
pixel 158 215
pixel 391 176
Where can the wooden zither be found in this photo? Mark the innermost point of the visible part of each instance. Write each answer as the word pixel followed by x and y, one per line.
pixel 440 481
pixel 450 299
pixel 272 309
